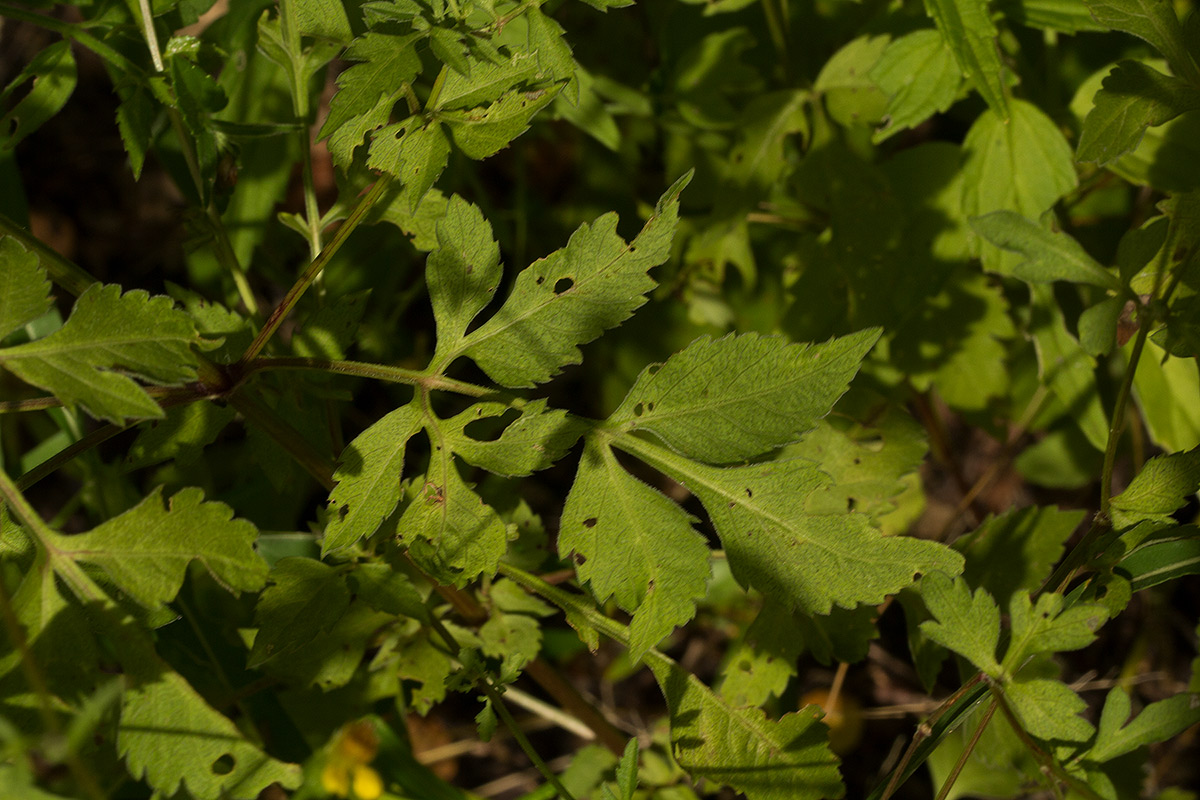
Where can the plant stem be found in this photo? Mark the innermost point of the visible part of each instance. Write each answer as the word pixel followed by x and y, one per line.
pixel 290 439
pixel 314 269
pixel 77 34
pixel 1045 759
pixel 63 272
pixel 290 28
pixel 966 753
pixel 1118 421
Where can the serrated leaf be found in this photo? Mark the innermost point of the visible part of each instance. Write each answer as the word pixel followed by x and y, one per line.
pixel 304 601
pixel 1016 550
pixel 759 666
pixel 572 296
pixel 324 19
pixel 1155 22
pixel 421 661
pixel 464 271
pixel 108 331
pixel 1048 709
pixel 783 759
pixel 741 396
pixel 632 543
pixel 54 76
pixel 486 81
pixel 969 33
pixel 332 658
pixel 450 532
pixel 1021 165
pixel 183 435
pixel 1163 485
pixel 368 89
pixel 146 550
pixel 920 76
pixel 1048 627
pixel 1117 735
pixel 512 632
pixel 553 54
pixel 535 440
pixel 1134 97
pixel 808 560
pixel 368 478
pixel 415 153
pixel 385 589
pixel 24 290
pixel 169 736
pixel 486 130
pixel 1050 255
pixel 968 624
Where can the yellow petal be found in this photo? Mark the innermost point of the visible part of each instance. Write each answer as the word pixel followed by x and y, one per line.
pixel 367 783
pixel 335 778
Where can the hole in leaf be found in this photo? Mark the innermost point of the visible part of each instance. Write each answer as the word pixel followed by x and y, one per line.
pixel 489 429
pixel 590 522
pixel 223 765
pixel 851 503
pixel 638 409
pixel 541 279
pixel 653 369
pixel 563 285
pixel 579 559
pixel 749 492
pixel 342 512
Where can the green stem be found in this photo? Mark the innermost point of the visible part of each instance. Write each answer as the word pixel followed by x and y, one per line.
pixel 291 36
pixel 150 34
pixel 966 753
pixel 1117 425
pixel 315 464
pixel 75 33
pixel 63 272
pixel 1049 764
pixel 314 269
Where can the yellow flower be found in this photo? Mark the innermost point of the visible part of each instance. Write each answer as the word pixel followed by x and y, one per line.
pixel 347 772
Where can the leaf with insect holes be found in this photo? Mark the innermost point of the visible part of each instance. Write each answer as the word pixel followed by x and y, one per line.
pixel 24 290
pixel 572 296
pixel 535 440
pixel 146 551
pixel 486 130
pixel 415 153
pixel 450 532
pixel 168 735
pixel 368 478
pixel 633 544
pixel 741 396
pixel 809 560
pixel 107 335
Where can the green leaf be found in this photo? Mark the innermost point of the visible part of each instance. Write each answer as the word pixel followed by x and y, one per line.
pixel 1117 735
pixel 533 441
pixel 1016 550
pixel 759 666
pixel 1098 326
pixel 738 397
pixel 54 77
pixel 146 550
pixel 971 37
pixel 334 657
pixel 1066 16
pixel 108 331
pixel 1023 165
pixel 450 532
pixel 1164 484
pixel 1134 97
pixel 169 736
pixel 968 624
pixel 1066 368
pixel 368 90
pixel 324 19
pixel 24 290
pixel 572 296
pixel 486 130
pixel 512 632
pixel 776 544
pixel 368 478
pixel 920 76
pixel 632 543
pixel 415 153
pixel 1048 709
pixel 183 435
pixel 783 759
pixel 851 97
pixel 1049 628
pixel 487 81
pixel 304 601
pixel 463 273
pixel 1155 22
pixel 1050 255
pixel 1163 557
pixel 383 588
pixel 1165 388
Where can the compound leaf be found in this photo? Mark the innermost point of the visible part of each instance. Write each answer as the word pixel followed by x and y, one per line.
pixel 24 290
pixel 368 478
pixel 969 33
pixel 1133 97
pixel 809 560
pixel 1162 486
pixel 741 396
pixel 463 273
pixel 1050 255
pixel 968 624
pixel 414 152
pixel 168 735
pixel 1157 722
pixel 632 543
pixel 534 441
pixel 108 331
pixel 572 296
pixel 783 759
pixel 147 549
pixel 486 130
pixel 1046 627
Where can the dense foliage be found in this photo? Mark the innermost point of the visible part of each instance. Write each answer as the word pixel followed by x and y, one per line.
pixel 884 366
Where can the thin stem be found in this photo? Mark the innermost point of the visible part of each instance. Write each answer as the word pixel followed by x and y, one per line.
pixel 523 741
pixel 75 33
pixel 151 35
pixel 314 269
pixel 291 35
pixel 31 404
pixel 1049 764
pixel 966 753
pixel 315 464
pixel 63 272
pixel 1118 421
